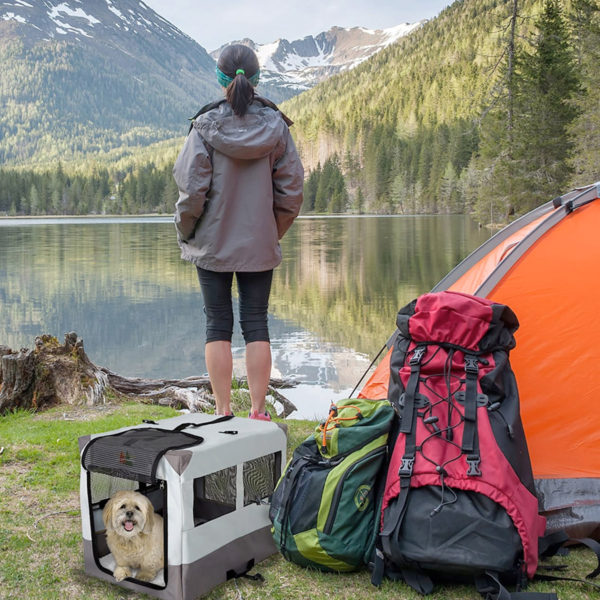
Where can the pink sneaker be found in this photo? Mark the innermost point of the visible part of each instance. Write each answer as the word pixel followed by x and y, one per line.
pixel 260 416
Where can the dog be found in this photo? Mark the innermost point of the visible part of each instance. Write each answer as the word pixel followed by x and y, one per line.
pixel 134 534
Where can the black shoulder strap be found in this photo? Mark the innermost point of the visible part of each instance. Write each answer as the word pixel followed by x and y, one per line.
pixel 490 588
pixel 205 109
pixel 263 101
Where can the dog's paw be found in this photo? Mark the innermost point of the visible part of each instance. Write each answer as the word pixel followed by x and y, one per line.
pixel 146 575
pixel 121 573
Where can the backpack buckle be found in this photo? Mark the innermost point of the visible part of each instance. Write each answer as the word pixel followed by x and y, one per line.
pixel 471 365
pixel 417 356
pixel 473 460
pixel 406 468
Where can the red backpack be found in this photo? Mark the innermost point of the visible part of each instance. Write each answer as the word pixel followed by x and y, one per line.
pixel 459 498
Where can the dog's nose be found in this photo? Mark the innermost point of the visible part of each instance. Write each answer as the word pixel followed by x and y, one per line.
pixel 129 514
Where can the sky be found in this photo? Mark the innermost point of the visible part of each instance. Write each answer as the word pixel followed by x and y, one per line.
pixel 215 23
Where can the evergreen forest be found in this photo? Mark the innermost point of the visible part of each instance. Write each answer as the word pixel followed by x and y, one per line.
pixel 490 108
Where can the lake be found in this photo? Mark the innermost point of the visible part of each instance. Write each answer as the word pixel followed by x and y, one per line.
pixel 120 284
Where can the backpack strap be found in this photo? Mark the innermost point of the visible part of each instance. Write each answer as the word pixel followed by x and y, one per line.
pixel 204 109
pixel 550 544
pixel 263 101
pixel 418 581
pixel 408 422
pixel 490 588
pixel 470 428
pixel 293 472
pixel 408 425
pixel 395 513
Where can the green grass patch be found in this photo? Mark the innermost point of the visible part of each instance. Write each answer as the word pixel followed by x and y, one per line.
pixel 41 556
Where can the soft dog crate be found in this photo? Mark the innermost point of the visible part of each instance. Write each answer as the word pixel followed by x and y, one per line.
pixel 211 480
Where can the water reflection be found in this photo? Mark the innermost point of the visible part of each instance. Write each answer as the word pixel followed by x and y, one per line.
pixel 121 285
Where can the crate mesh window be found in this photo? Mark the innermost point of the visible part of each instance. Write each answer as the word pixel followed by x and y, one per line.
pixel 104 486
pixel 260 478
pixel 214 495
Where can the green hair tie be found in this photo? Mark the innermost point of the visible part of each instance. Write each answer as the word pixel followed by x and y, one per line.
pixel 224 80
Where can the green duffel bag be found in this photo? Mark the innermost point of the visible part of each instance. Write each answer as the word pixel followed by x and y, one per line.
pixel 325 504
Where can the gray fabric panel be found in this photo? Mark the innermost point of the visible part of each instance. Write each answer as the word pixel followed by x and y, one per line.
pixel 179 459
pixel 188 582
pixel 83 440
pixel 173 591
pixel 203 575
pixel 570 504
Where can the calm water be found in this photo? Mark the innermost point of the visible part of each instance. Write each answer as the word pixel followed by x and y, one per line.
pixel 120 284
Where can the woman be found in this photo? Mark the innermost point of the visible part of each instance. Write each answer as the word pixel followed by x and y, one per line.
pixel 240 188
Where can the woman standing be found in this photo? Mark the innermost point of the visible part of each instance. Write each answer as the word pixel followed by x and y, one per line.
pixel 240 188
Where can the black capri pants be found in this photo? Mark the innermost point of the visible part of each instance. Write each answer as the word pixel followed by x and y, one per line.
pixel 254 290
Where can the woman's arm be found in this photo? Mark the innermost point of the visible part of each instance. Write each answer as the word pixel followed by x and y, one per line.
pixel 288 184
pixel 193 174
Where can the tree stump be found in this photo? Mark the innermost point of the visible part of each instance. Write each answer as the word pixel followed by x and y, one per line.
pixel 49 374
pixel 53 374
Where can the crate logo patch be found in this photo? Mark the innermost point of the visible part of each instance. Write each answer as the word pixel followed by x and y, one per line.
pixel 125 459
pixel 361 497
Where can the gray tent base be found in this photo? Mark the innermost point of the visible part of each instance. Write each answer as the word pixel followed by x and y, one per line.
pixel 571 505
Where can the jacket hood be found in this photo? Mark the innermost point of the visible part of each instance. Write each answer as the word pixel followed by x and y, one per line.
pixel 255 135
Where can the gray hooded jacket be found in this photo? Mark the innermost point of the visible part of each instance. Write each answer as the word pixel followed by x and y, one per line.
pixel 240 188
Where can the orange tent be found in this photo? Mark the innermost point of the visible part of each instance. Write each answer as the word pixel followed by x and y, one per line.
pixel 546 267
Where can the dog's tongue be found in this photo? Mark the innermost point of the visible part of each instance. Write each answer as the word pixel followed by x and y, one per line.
pixel 128 525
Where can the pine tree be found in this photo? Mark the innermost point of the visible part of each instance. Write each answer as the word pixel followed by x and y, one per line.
pixel 491 175
pixel 585 23
pixel 544 112
pixel 525 142
pixel 310 189
pixel 359 201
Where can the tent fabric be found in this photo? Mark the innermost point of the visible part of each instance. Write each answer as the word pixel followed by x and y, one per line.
pixel 545 266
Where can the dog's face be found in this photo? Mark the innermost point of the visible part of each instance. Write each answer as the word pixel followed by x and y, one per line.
pixel 128 514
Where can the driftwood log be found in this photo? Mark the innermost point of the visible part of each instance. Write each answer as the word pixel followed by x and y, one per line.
pixel 52 373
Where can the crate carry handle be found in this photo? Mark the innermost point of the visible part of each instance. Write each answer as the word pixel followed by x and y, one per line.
pixel 186 425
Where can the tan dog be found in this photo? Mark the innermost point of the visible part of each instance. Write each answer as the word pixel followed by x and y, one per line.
pixel 134 534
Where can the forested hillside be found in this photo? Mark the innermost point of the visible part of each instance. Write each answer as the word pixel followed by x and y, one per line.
pixel 93 77
pixel 405 127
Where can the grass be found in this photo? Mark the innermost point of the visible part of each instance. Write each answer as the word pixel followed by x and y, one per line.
pixel 41 555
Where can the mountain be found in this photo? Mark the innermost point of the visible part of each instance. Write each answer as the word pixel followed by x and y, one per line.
pixel 288 68
pixel 83 77
pixel 403 125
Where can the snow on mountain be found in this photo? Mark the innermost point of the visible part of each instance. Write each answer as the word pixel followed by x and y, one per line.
pixel 126 32
pixel 301 64
pixel 73 18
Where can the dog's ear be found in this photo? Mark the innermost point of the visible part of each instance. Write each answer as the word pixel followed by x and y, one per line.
pixel 149 516
pixel 107 513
